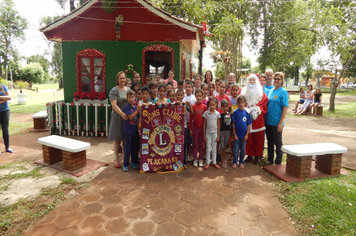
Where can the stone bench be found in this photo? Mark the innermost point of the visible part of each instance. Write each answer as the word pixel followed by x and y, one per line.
pixel 39 121
pixel 71 152
pixel 299 158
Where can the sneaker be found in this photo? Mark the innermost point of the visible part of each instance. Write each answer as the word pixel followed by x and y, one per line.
pixel 195 163
pixel 216 166
pixel 125 168
pixel 134 166
pixel 201 164
pixel 206 166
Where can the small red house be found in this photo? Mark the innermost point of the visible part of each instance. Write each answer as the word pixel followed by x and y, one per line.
pixel 134 36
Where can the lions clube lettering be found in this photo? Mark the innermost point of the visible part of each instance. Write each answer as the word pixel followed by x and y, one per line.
pixel 166 112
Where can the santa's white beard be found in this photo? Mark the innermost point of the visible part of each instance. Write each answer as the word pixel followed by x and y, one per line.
pixel 253 94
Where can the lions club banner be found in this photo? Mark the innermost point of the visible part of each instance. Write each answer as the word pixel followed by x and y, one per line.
pixel 162 138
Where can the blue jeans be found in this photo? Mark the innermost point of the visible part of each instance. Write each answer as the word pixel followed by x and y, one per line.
pixel 131 147
pixel 4 121
pixel 239 145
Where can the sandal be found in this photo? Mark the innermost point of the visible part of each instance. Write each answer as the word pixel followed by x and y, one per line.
pixel 228 150
pixel 216 166
pixel 117 165
pixel 234 166
pixel 206 166
pixel 224 165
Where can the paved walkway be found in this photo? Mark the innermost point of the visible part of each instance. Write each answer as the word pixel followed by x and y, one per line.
pixel 192 202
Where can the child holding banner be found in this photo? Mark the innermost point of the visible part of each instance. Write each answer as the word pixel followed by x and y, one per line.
pixel 211 131
pixel 196 128
pixel 131 132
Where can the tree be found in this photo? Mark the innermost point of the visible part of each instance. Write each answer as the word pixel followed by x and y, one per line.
pixel 32 73
pixel 12 27
pixel 41 59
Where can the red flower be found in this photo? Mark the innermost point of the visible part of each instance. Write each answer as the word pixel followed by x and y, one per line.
pixel 102 121
pixel 54 121
pixel 53 104
pixel 82 120
pixel 62 103
pixel 72 119
pixel 91 121
pixel 90 104
pixel 101 104
pixel 47 103
pixel 81 104
pixel 72 104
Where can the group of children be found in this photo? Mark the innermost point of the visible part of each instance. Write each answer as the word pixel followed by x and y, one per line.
pixel 212 118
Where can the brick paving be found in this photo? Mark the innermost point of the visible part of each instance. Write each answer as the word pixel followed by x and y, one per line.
pixel 191 202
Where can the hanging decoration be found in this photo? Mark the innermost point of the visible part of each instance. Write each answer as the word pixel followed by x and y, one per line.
pixel 118 23
pixel 155 48
pixel 130 69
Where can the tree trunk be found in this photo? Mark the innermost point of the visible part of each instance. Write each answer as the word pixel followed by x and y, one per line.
pixel 60 82
pixel 72 7
pixel 333 93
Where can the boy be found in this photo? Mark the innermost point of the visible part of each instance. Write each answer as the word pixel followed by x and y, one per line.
pixel 148 80
pixel 131 132
pixel 225 130
pixel 180 96
pixel 217 86
pixel 241 122
pixel 138 96
pixel 221 96
pixel 153 89
pixel 181 84
pixel 197 83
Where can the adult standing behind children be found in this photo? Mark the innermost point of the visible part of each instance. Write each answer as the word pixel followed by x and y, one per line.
pixel 171 79
pixel 208 77
pixel 263 80
pixel 269 76
pixel 118 101
pixel 257 104
pixel 277 109
pixel 5 116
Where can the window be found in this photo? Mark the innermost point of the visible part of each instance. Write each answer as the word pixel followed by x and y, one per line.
pixel 90 71
pixel 156 70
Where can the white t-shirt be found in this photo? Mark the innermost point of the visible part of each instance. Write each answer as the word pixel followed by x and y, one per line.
pixel 215 93
pixel 211 121
pixel 192 100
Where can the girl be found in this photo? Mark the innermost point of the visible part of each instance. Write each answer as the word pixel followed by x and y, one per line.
pixel 137 77
pixel 300 101
pixel 171 95
pixel 135 86
pixel 118 101
pixel 162 96
pixel 128 83
pixel 196 127
pixel 233 98
pixel 205 89
pixel 211 87
pixel 307 102
pixel 211 131
pixel 317 100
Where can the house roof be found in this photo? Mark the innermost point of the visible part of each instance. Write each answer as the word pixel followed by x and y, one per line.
pixel 141 22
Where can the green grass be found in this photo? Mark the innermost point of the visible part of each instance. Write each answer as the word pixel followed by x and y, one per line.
pixel 342 110
pixel 322 206
pixel 45 86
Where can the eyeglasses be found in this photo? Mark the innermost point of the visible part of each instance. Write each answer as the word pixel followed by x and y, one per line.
pixel 277 79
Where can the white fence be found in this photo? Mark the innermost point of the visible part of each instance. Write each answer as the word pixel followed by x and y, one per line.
pixel 79 118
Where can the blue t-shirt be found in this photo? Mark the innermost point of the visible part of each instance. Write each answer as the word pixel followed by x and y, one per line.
pixel 269 87
pixel 4 106
pixel 277 99
pixel 130 126
pixel 242 119
pixel 266 90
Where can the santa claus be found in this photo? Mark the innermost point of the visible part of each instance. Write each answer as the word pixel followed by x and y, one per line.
pixel 257 105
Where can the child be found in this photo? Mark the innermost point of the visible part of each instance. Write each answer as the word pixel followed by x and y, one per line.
pixel 130 130
pixel 300 101
pixel 153 90
pixel 211 88
pixel 196 127
pixel 211 132
pixel 138 96
pixel 197 83
pixel 228 90
pixel 128 82
pixel 169 86
pixel 145 96
pixel 189 97
pixel 148 80
pixel 233 98
pixel 221 96
pixel 217 86
pixel 137 77
pixel 135 86
pixel 225 130
pixel 205 100
pixel 241 122
pixel 162 96
pixel 317 100
pixel 171 95
pixel 181 84
pixel 180 96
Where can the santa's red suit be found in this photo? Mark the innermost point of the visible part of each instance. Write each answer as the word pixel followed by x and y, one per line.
pixel 255 141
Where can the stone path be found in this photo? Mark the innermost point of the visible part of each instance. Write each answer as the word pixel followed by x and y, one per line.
pixel 192 202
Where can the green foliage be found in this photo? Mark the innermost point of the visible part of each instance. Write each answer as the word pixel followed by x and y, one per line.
pixel 69 181
pixel 322 206
pixel 12 27
pixel 41 59
pixel 32 73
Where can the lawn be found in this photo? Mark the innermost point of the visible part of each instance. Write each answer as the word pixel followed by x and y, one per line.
pixel 35 102
pixel 322 206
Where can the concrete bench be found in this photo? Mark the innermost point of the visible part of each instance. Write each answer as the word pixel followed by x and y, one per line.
pixel 299 158
pixel 39 121
pixel 71 152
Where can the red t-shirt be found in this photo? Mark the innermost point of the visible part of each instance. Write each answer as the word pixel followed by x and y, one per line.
pixel 218 108
pixel 197 118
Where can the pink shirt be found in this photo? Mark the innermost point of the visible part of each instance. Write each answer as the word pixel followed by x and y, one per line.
pixel 174 83
pixel 219 98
